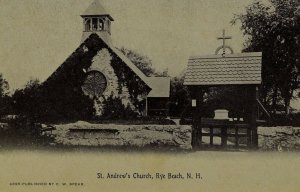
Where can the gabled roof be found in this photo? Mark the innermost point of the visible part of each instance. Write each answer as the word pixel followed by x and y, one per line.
pixel 96 9
pixel 160 86
pixel 232 69
pixel 132 66
pixel 75 62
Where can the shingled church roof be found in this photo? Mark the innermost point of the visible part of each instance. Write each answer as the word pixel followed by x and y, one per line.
pixel 232 69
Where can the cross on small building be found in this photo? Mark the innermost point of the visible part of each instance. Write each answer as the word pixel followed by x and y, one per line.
pixel 224 46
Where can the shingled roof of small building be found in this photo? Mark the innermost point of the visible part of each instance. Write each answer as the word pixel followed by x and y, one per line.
pixel 231 69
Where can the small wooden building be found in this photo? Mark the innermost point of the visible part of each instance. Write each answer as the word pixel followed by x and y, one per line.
pixel 158 98
pixel 243 69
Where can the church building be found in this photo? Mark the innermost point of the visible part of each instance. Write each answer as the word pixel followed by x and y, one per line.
pixel 100 71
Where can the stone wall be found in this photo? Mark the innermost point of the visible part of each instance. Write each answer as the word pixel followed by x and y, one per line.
pixel 176 136
pixel 279 138
pixel 173 136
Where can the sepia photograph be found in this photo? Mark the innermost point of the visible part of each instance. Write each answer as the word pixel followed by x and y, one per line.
pixel 157 95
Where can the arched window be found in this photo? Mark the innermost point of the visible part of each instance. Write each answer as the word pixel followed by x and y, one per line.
pixel 100 24
pixel 94 24
pixel 87 24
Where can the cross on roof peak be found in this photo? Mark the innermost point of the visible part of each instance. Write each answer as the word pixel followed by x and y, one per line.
pixel 224 46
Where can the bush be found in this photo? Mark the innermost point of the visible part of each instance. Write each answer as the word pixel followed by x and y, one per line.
pixel 23 131
pixel 114 109
pixel 23 125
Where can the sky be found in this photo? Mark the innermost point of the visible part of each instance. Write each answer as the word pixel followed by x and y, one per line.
pixel 37 36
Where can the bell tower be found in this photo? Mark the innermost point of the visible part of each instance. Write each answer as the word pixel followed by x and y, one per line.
pixel 97 20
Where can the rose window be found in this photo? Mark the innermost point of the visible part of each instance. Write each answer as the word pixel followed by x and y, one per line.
pixel 95 84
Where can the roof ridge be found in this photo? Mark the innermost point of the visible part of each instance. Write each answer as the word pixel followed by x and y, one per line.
pixel 242 68
pixel 226 56
pixel 131 65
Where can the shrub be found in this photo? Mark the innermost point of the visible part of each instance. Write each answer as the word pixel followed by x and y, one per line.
pixel 114 109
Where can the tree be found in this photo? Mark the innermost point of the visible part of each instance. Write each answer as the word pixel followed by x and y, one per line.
pixel 142 62
pixel 26 100
pixel 274 30
pixel 44 102
pixel 4 87
pixel 32 84
pixel 179 96
pixel 4 98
